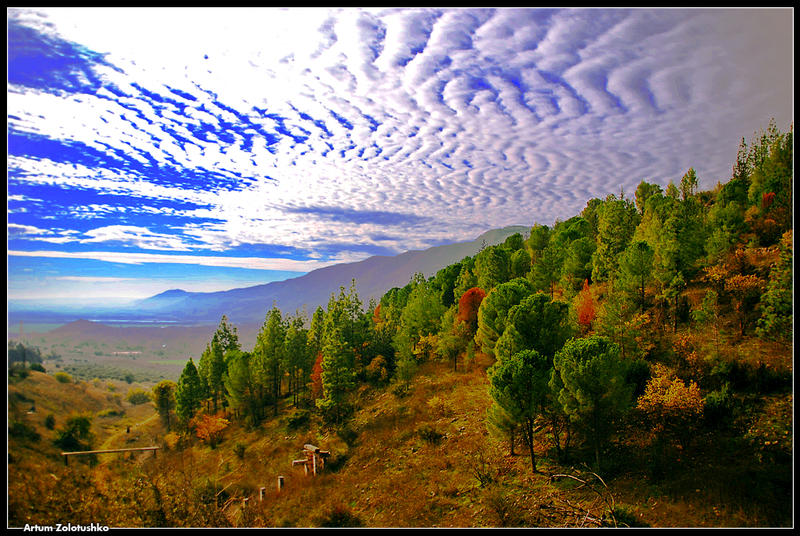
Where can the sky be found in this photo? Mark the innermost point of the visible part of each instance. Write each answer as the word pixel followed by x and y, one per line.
pixel 210 148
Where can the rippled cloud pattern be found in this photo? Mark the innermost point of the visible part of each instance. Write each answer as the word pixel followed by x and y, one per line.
pixel 319 135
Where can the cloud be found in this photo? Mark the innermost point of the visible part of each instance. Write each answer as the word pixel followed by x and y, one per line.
pixel 252 263
pixel 355 131
pixel 90 279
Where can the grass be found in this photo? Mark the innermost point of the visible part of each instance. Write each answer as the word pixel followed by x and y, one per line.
pixel 423 459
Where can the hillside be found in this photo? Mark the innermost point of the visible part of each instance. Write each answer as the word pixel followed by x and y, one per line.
pixel 432 443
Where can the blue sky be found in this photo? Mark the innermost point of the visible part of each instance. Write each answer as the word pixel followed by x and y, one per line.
pixel 207 149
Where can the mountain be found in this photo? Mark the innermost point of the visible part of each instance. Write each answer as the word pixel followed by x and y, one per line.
pixel 374 276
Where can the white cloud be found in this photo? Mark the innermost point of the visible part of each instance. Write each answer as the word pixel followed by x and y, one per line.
pixel 253 263
pixel 549 109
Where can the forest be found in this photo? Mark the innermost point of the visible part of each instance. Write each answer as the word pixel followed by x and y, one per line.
pixel 645 342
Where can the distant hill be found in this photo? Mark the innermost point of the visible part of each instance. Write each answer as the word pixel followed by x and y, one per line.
pixel 374 276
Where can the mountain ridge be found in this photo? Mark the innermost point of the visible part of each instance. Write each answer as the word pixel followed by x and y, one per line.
pixel 373 275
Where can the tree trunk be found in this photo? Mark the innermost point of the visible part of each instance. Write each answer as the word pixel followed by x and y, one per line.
pixel 528 432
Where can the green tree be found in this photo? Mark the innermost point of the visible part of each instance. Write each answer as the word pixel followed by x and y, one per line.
pixel 777 306
pixel 406 368
pixel 688 185
pixel 770 160
pixel 227 335
pixel 297 357
pixel 268 355
pixel 645 191
pixel 594 390
pixel 211 369
pixel 495 307
pixel 138 396
pixel 537 241
pixel 445 282
pixel 188 393
pixel 466 278
pixel 338 377
pixel 315 331
pixel 420 318
pixel 492 267
pixel 520 263
pixel 577 266
pixel 546 271
pixel 616 223
pixel 164 398
pixel 500 422
pixel 245 395
pixel 514 242
pixel 454 337
pixel 536 323
pixel 519 384
pixel 636 267
pixel 212 366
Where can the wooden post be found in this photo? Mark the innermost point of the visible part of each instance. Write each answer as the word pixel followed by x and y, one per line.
pixel 280 483
pixel 244 501
pixel 261 491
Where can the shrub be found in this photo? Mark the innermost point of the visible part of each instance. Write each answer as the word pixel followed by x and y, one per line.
pixel 76 434
pixel 63 377
pixel 18 371
pixel 430 434
pixel 21 430
pixel 239 449
pixel 377 371
pixel 718 408
pixel 37 367
pixel 110 412
pixel 340 516
pixel 138 396
pixel 297 421
pixel 50 421
pixel 730 373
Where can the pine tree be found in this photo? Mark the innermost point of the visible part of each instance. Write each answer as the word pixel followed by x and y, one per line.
pixel 519 384
pixel 188 393
pixel 594 389
pixel 338 378
pixel 268 355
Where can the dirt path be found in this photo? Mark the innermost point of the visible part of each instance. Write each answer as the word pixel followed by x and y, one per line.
pixel 112 440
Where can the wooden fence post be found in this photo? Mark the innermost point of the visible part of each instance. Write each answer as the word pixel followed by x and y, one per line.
pixel 280 483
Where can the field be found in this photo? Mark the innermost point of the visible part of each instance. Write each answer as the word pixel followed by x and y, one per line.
pixel 89 350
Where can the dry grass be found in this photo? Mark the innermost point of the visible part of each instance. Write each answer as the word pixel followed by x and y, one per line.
pixel 424 459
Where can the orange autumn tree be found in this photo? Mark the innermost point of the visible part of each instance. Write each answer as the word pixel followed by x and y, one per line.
pixel 209 428
pixel 672 407
pixel 585 308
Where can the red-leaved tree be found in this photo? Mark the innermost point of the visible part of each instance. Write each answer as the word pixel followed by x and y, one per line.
pixel 468 306
pixel 586 309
